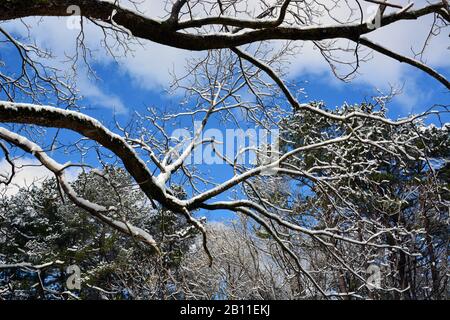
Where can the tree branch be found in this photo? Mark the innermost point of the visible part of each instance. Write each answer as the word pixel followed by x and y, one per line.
pixel 58 170
pixel 162 31
pixel 366 42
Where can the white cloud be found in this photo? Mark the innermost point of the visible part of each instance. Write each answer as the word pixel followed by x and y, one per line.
pixel 28 172
pixel 100 98
pixel 380 72
pixel 148 65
